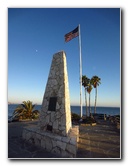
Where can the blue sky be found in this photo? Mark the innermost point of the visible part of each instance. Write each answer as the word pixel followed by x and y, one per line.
pixel 34 35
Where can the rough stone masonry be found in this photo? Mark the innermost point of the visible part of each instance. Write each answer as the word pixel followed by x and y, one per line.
pixel 56 113
pixel 54 131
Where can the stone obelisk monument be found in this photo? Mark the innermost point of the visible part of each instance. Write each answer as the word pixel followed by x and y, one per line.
pixel 54 131
pixel 56 114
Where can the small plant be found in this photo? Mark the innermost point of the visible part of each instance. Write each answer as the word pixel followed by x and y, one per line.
pixel 75 117
pixel 89 120
pixel 25 111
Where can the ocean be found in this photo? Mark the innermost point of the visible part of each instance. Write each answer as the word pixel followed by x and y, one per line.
pixel 76 109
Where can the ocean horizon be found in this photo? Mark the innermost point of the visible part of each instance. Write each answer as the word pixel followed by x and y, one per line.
pixel 76 109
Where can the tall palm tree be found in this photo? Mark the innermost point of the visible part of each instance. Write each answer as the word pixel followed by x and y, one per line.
pixel 25 110
pixel 95 81
pixel 89 89
pixel 85 83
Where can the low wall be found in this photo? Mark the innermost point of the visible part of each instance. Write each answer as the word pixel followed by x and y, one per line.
pixel 66 147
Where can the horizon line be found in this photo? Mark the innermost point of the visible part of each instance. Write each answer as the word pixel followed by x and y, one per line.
pixel 10 103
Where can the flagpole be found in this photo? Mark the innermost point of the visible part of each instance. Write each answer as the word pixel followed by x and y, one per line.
pixel 81 109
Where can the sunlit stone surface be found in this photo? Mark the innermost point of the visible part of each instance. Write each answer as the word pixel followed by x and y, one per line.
pixel 54 131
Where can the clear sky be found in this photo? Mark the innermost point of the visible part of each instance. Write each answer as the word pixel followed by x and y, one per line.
pixel 34 35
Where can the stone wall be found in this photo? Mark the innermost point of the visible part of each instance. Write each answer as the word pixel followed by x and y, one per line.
pixel 65 147
pixel 57 87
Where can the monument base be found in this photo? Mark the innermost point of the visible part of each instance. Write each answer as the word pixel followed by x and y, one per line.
pixel 65 147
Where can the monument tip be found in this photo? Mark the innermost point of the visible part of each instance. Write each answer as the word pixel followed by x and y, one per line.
pixel 61 51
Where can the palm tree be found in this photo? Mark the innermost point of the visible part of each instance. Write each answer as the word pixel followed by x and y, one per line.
pixel 25 110
pixel 85 83
pixel 89 89
pixel 95 81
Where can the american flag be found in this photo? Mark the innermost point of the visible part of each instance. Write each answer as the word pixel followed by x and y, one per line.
pixel 69 36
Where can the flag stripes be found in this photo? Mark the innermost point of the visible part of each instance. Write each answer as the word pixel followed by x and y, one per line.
pixel 69 36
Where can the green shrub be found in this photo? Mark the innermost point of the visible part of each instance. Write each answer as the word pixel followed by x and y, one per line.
pixel 89 120
pixel 75 117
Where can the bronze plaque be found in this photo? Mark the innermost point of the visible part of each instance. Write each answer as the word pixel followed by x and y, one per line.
pixel 52 104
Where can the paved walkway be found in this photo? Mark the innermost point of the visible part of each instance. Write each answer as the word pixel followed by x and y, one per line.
pixel 100 141
pixel 18 148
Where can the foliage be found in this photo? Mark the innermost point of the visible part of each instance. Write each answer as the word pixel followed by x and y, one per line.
pixel 75 117
pixel 95 81
pixel 89 88
pixel 88 84
pixel 85 81
pixel 25 111
pixel 89 120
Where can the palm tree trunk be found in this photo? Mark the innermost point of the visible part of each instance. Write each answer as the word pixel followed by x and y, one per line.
pixel 95 99
pixel 86 103
pixel 89 105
